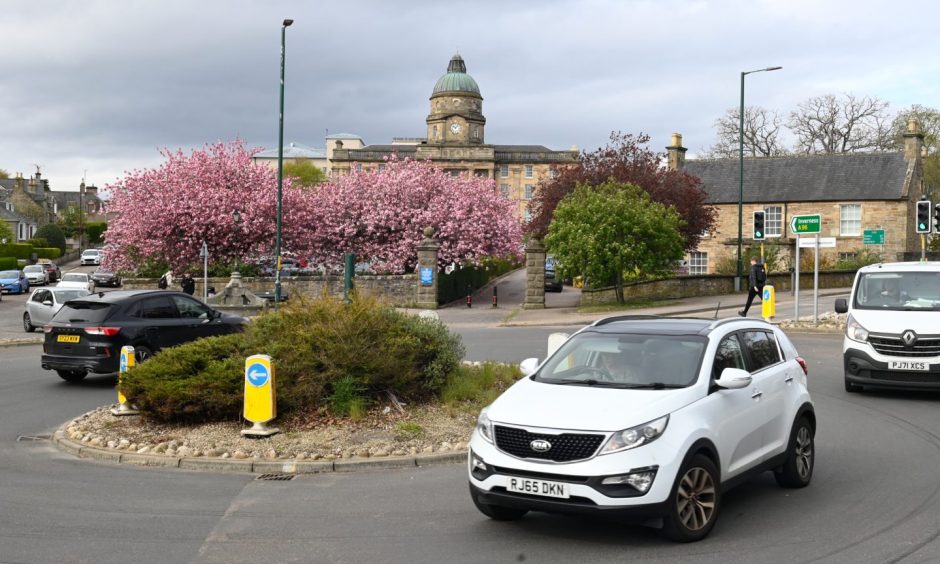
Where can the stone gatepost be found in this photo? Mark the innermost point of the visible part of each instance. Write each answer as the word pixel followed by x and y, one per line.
pixel 427 271
pixel 534 275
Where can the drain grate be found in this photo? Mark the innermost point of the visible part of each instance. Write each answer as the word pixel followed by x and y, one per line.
pixel 33 438
pixel 276 477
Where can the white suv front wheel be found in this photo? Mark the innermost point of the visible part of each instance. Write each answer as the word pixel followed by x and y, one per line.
pixel 694 502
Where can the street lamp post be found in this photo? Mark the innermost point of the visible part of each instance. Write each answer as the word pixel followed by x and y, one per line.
pixel 280 173
pixel 236 221
pixel 737 280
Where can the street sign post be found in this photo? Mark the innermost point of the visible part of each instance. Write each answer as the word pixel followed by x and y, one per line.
pixel 805 224
pixel 873 237
pixel 810 242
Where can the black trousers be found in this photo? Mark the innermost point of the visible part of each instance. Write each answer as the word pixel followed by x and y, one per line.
pixel 751 292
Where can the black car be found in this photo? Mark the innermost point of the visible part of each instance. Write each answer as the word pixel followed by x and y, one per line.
pixel 87 333
pixel 52 269
pixel 104 277
pixel 552 278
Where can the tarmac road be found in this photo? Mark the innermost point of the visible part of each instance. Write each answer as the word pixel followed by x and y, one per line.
pixel 875 496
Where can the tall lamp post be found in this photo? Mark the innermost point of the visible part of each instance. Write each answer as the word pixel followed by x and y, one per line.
pixel 280 173
pixel 236 222
pixel 737 280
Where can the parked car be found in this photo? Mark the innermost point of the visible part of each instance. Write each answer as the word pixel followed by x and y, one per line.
pixel 36 274
pixel 552 278
pixel 90 257
pixel 86 335
pixel 13 282
pixel 103 277
pixel 43 303
pixel 643 417
pixel 79 280
pixel 891 330
pixel 52 269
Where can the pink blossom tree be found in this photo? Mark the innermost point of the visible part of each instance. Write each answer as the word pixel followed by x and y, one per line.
pixel 165 214
pixel 380 216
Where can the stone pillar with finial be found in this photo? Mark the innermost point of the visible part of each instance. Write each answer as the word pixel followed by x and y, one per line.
pixel 427 271
pixel 534 275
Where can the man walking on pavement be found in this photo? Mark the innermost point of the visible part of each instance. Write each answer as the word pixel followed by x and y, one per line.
pixel 188 284
pixel 756 280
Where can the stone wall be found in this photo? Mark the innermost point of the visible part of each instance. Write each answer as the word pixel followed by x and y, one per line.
pixel 398 289
pixel 710 285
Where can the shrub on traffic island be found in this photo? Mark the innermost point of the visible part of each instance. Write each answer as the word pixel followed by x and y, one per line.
pixel 317 347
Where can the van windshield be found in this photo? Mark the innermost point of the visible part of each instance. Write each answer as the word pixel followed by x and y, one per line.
pixel 899 291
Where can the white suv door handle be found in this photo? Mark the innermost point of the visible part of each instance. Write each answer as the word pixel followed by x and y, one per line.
pixel 757 394
pixel 789 378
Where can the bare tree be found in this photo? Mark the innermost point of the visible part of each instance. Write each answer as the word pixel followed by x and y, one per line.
pixel 761 134
pixel 929 121
pixel 827 125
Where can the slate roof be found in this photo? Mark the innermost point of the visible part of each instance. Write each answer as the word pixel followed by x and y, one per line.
pixel 810 178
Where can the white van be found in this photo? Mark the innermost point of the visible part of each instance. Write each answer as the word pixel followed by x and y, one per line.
pixel 892 334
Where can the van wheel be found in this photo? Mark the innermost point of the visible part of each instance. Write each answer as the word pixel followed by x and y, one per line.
pixel 852 388
pixel 694 501
pixel 71 375
pixel 797 471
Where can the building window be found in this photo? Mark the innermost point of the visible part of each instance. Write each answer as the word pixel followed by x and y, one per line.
pixel 476 132
pixel 847 256
pixel 434 132
pixel 504 190
pixel 358 167
pixel 528 171
pixel 698 263
pixel 850 222
pixel 527 215
pixel 773 221
pixel 504 171
pixel 553 173
pixel 481 174
pixel 455 173
pixel 382 167
pixel 528 191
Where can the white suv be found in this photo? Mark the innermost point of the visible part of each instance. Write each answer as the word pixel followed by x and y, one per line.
pixel 640 416
pixel 90 257
pixel 892 333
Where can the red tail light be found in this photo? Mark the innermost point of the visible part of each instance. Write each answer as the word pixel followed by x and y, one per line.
pixel 803 365
pixel 106 331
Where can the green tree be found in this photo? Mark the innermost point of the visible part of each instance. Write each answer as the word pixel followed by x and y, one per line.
pixel 4 173
pixel 94 230
pixel 69 220
pixel 612 231
pixel 26 207
pixel 53 234
pixel 6 232
pixel 304 173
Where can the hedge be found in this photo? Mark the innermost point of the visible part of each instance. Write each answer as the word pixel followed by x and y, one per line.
pixel 47 252
pixel 16 250
pixel 8 263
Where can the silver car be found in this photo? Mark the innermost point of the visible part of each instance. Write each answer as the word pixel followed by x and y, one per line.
pixel 36 274
pixel 45 302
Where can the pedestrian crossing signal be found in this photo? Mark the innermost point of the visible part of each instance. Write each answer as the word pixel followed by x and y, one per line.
pixel 922 223
pixel 936 218
pixel 759 232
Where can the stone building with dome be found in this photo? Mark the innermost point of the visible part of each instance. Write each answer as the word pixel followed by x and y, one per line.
pixel 455 141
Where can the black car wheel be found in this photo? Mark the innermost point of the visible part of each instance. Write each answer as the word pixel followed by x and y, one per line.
pixel 141 354
pixel 797 471
pixel 694 502
pixel 71 375
pixel 27 323
pixel 497 512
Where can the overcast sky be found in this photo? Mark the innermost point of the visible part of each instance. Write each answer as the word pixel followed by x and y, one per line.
pixel 96 88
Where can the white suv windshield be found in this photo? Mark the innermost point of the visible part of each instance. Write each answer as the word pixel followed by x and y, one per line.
pixel 626 361
pixel 898 291
pixel 75 278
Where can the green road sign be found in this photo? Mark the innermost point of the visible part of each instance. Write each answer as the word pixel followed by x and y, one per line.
pixel 873 237
pixel 805 224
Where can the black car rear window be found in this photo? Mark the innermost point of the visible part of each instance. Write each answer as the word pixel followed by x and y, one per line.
pixel 77 311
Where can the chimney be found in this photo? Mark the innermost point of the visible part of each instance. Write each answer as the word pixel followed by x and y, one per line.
pixel 676 153
pixel 913 141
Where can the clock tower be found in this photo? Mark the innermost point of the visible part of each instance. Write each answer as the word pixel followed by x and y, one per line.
pixel 456 116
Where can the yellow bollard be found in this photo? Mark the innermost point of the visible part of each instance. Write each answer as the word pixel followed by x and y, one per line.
pixel 127 362
pixel 260 400
pixel 768 305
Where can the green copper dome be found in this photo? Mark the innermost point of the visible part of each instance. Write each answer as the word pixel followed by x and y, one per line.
pixel 456 79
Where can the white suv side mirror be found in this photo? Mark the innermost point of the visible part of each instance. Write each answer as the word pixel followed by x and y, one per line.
pixel 733 379
pixel 528 366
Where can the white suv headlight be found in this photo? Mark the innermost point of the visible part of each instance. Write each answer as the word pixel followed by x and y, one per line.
pixel 485 427
pixel 855 331
pixel 635 436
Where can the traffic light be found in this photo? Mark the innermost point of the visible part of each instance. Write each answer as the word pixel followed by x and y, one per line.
pixel 759 232
pixel 923 216
pixel 936 218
